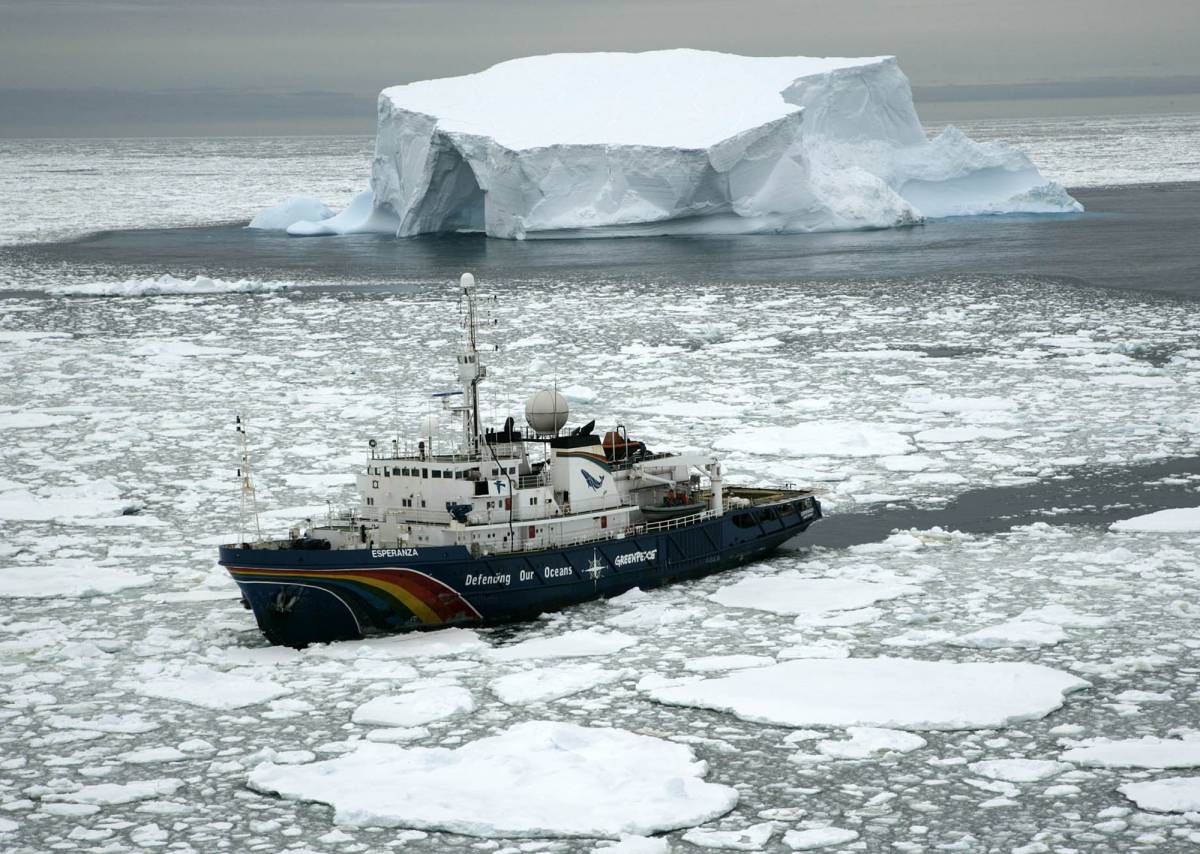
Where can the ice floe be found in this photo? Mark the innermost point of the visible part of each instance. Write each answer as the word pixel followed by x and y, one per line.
pixel 66 578
pixel 1145 752
pixel 536 778
pixel 1014 634
pixel 792 593
pixel 752 838
pixel 575 644
pixel 1019 770
pixel 1173 521
pixel 820 438
pixel 279 217
pixel 865 742
pixel 818 837
pixel 881 692
pixel 414 708
pixel 202 686
pixel 168 285
pixel 544 684
pixel 1171 794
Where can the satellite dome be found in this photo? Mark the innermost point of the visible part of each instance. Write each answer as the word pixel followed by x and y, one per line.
pixel 546 411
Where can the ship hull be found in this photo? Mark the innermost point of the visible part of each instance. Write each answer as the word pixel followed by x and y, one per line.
pixel 300 597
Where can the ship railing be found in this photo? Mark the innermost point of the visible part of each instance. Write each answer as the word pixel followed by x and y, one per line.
pixel 609 534
pixel 529 481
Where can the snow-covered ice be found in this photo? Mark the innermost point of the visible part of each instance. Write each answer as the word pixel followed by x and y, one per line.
pixel 792 593
pixel 1019 770
pixel 818 837
pixel 414 708
pixel 66 578
pixel 881 692
pixel 168 285
pixel 537 778
pixel 620 143
pixel 279 217
pixel 820 438
pixel 1145 752
pixel 541 685
pixel 577 644
pixel 1018 634
pixel 1174 520
pixel 865 742
pixel 751 838
pixel 1171 794
pixel 209 688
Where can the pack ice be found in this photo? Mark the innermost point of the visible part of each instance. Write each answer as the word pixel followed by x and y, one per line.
pixel 676 141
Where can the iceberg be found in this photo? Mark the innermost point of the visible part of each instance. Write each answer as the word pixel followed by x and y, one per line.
pixel 676 142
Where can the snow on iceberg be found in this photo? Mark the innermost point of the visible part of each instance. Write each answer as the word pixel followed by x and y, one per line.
pixel 537 778
pixel 168 285
pixel 280 216
pixel 678 141
pixel 880 692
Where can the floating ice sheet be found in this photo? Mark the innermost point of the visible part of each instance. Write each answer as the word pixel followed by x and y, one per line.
pixel 881 692
pixel 1172 794
pixel 536 778
pixel 792 593
pixel 1146 752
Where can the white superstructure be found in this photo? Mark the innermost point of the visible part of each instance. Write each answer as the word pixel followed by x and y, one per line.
pixel 505 490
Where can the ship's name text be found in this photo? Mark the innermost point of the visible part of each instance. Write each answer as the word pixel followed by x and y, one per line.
pixel 377 553
pixel 635 557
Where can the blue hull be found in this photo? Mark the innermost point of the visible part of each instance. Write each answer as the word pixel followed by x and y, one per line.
pixel 301 597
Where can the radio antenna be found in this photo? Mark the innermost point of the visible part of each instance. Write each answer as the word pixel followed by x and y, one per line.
pixel 244 475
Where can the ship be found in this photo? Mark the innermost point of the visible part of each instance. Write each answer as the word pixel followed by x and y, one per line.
pixel 501 524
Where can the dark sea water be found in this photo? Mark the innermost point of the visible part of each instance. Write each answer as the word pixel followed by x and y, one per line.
pixel 1140 238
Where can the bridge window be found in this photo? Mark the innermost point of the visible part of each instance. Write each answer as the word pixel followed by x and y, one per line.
pixel 437 473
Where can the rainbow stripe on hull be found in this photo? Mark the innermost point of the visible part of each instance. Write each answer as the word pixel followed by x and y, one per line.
pixel 392 598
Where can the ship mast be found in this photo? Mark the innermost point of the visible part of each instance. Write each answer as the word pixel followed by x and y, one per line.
pixel 470 370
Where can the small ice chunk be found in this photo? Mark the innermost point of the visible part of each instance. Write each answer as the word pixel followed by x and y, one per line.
pixel 710 663
pixel 820 439
pixel 1014 634
pixel 148 755
pixel 865 742
pixel 751 838
pixel 279 217
pixel 1171 794
pixel 1019 770
pixel 880 692
pixel 107 794
pixel 1175 520
pixel 65 579
pixel 1146 752
pixel 576 644
pixel 535 779
pixel 168 285
pixel 818 837
pixel 629 844
pixel 553 683
pixel 1061 615
pixel 792 593
pixel 210 689
pixel 416 708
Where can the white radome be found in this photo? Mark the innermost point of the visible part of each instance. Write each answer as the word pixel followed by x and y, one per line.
pixel 546 411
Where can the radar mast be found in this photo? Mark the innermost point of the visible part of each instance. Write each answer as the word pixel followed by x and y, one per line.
pixel 470 370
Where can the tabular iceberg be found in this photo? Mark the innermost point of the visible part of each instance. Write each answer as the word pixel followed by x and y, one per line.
pixel 677 141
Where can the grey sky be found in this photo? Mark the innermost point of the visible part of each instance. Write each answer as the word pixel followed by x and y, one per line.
pixel 236 58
